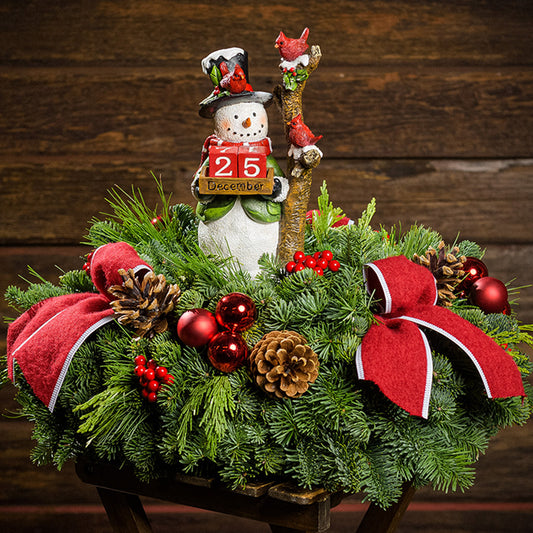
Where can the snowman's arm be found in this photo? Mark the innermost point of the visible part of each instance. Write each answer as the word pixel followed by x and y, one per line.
pixel 195 185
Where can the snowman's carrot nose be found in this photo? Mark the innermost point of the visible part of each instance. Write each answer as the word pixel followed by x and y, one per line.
pixel 247 123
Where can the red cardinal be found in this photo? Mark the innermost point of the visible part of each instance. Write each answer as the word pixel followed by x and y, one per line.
pixel 299 134
pixel 235 82
pixel 290 49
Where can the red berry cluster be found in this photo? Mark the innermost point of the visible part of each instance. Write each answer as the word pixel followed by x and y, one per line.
pixel 291 70
pixel 87 265
pixel 151 377
pixel 319 262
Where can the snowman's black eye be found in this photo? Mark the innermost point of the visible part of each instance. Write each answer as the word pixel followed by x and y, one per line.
pixel 236 116
pixel 254 115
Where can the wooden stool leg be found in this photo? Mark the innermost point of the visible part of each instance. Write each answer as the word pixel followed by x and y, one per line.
pixel 125 511
pixel 377 520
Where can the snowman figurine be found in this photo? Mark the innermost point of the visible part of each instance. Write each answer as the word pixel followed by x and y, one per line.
pixel 237 226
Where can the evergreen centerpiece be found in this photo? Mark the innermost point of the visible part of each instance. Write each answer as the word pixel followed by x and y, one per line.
pixel 326 361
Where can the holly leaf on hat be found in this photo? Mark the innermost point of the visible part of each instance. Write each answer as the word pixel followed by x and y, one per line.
pixel 215 75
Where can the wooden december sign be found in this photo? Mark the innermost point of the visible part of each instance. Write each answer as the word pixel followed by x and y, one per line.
pixel 237 170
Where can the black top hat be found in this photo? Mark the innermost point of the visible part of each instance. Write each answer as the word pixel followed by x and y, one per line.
pixel 227 60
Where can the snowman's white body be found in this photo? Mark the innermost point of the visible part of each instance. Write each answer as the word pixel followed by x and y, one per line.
pixel 236 235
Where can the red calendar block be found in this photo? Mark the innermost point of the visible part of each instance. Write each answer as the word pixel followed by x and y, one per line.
pixel 252 162
pixel 223 161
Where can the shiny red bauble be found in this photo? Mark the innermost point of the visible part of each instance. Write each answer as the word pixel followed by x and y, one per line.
pixel 489 294
pixel 474 269
pixel 236 311
pixel 197 327
pixel 227 351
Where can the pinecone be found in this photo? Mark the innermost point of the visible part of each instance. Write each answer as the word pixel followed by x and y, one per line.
pixel 144 304
pixel 447 268
pixel 283 364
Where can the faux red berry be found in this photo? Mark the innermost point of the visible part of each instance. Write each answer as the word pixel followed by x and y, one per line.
pixel 144 393
pixel 310 262
pixel 140 360
pixel 317 255
pixel 299 256
pixel 149 375
pixel 327 255
pixel 322 263
pixel 153 386
pixel 169 379
pixel 334 265
pixel 319 271
pixel 298 267
pixel 152 397
pixel 290 266
pixel 160 372
pixel 140 370
pixel 152 364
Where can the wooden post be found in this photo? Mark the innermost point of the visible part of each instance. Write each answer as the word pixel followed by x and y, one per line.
pixel 299 172
pixel 378 520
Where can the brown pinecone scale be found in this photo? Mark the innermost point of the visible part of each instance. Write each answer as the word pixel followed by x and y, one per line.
pixel 447 267
pixel 283 364
pixel 144 304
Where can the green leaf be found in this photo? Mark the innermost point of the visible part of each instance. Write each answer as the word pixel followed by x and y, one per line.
pixel 215 75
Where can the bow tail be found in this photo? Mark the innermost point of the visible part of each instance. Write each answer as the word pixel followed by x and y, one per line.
pixel 396 356
pixel 44 340
pixel 497 369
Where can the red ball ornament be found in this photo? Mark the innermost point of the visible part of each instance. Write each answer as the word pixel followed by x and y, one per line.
pixel 489 294
pixel 227 351
pixel 474 269
pixel 235 311
pixel 197 327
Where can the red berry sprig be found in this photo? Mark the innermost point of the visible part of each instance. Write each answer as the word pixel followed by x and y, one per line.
pixel 151 377
pixel 319 262
pixel 87 265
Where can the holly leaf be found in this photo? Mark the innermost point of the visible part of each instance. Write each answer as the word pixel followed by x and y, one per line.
pixel 215 75
pixel 289 81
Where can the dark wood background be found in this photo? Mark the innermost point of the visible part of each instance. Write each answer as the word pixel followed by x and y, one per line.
pixel 426 106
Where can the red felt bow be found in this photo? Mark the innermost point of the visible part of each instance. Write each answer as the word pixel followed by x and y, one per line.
pixel 395 352
pixel 44 339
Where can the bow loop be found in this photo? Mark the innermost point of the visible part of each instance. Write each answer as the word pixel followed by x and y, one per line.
pixel 400 284
pixel 395 353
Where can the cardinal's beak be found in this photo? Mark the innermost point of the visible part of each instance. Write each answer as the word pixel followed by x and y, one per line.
pixel 276 45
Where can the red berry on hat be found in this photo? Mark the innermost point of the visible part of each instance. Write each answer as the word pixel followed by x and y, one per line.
pixel 140 370
pixel 298 267
pixel 149 375
pixel 152 397
pixel 319 271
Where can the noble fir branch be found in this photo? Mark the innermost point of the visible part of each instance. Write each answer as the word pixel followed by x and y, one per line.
pixel 21 299
pixel 326 216
pixel 209 405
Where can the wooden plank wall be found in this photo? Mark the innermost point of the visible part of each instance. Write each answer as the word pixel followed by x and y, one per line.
pixel 426 106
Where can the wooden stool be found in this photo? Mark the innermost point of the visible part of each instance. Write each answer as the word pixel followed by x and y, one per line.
pixel 286 508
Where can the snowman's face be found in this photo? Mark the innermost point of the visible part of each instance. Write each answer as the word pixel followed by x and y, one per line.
pixel 242 122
